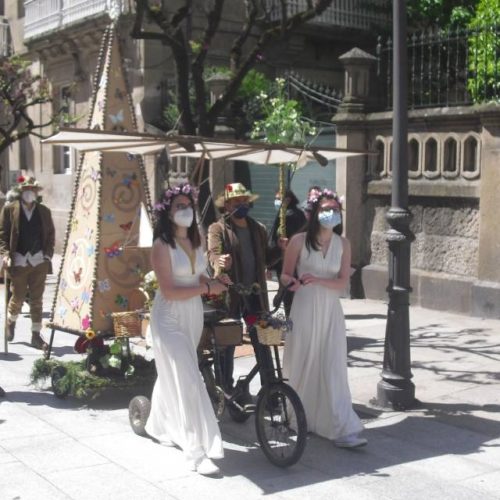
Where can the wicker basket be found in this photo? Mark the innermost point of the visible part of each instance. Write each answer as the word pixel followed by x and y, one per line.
pixel 269 335
pixel 127 324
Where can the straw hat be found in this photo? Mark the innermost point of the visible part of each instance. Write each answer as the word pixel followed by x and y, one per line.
pixel 234 190
pixel 27 183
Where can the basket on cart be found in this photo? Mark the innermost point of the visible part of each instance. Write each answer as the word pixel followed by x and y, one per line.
pixel 128 323
pixel 268 335
pixel 225 332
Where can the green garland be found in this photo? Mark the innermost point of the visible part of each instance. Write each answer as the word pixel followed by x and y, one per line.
pixel 78 382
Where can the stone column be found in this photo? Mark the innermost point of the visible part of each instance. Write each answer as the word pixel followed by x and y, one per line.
pixel 350 121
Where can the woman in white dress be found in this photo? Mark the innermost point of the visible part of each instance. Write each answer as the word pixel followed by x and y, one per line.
pixel 315 357
pixel 181 412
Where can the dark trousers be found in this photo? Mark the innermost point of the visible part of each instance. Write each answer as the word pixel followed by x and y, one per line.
pixel 262 353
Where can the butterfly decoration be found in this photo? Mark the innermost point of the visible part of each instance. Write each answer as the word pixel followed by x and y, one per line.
pixel 94 174
pixel 116 118
pixel 127 226
pixel 90 250
pixel 121 301
pixel 88 233
pixel 130 179
pixel 119 94
pixel 104 285
pixel 110 171
pixel 85 296
pixel 108 217
pixel 75 304
pixel 74 248
pixel 78 275
pixel 113 251
pixel 74 224
pixel 62 311
pixel 63 284
pixel 85 322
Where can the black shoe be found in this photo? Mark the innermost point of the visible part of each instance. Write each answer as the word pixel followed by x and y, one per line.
pixel 12 329
pixel 2 393
pixel 37 341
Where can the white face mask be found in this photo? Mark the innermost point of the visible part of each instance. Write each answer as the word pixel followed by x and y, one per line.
pixel 28 196
pixel 184 217
pixel 330 218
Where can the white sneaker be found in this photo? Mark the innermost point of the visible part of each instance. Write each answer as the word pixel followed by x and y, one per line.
pixel 350 441
pixel 207 468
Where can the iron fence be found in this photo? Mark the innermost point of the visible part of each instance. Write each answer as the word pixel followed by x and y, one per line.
pixel 452 67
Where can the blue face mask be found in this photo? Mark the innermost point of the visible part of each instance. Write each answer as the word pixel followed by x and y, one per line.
pixel 277 204
pixel 330 218
pixel 241 211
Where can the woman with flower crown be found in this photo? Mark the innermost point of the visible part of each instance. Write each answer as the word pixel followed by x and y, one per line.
pixel 181 412
pixel 315 357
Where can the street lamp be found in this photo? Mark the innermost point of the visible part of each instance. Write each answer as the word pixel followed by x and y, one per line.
pixel 396 390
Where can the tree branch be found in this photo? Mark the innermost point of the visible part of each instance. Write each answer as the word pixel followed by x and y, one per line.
pixel 237 48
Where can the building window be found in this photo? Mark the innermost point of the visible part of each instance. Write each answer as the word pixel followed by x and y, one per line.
pixel 64 157
pixel 413 158
pixel 431 158
pixel 450 157
pixel 471 157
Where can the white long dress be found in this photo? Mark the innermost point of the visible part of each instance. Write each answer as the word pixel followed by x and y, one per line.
pixel 315 357
pixel 181 411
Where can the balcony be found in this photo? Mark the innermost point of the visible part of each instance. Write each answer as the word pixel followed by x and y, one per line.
pixel 342 13
pixel 45 16
pixel 4 38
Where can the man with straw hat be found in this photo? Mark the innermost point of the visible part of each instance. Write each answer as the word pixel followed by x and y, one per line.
pixel 238 246
pixel 27 238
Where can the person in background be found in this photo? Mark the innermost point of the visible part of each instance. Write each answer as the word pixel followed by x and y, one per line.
pixel 315 357
pixel 238 246
pixel 295 221
pixel 305 205
pixel 27 238
pixel 181 411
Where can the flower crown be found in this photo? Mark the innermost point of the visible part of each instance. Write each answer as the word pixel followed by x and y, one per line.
pixel 172 192
pixel 315 195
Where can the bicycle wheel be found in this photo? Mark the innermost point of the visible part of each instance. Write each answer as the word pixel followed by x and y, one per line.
pixel 281 426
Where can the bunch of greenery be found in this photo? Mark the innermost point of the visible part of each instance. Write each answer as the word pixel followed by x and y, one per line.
pixel 77 381
pixel 484 48
pixel 282 120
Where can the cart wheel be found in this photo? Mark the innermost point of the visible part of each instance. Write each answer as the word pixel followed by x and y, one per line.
pixel 60 387
pixel 281 425
pixel 236 414
pixel 138 413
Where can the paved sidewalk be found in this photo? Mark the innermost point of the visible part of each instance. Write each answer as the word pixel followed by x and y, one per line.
pixel 448 448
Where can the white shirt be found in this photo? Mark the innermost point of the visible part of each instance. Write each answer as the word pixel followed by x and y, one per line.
pixel 35 259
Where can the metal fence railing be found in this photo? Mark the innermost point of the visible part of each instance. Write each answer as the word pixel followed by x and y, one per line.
pixel 452 67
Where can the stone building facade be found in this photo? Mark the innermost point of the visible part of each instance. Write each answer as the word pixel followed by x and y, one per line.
pixel 62 40
pixel 453 157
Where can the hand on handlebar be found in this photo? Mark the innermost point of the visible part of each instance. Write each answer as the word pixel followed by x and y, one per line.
pixel 294 284
pixel 217 287
pixel 225 279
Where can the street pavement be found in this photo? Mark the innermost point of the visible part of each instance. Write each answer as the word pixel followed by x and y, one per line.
pixel 448 447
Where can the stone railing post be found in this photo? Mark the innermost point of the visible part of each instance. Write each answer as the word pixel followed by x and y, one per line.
pixel 350 122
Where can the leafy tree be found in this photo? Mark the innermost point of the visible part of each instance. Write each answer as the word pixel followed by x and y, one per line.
pixel 153 21
pixel 444 13
pixel 484 47
pixel 20 91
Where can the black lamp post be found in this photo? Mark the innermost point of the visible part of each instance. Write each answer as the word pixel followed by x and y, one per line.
pixel 396 390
